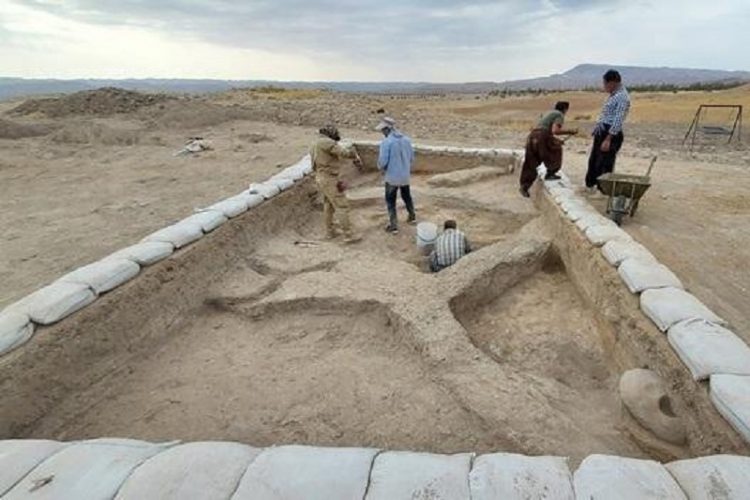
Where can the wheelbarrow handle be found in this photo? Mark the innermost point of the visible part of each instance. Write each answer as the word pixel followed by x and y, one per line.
pixel 651 166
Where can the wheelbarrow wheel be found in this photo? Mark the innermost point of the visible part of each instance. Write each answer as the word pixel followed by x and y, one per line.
pixel 619 209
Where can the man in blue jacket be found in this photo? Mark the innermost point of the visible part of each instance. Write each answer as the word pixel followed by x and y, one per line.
pixel 395 160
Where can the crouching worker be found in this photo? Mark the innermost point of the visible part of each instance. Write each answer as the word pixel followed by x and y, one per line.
pixel 450 246
pixel 328 157
pixel 543 147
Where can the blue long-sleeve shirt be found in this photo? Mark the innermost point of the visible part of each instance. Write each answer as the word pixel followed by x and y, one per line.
pixel 396 158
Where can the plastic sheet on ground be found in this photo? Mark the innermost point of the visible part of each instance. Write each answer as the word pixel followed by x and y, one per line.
pixel 267 190
pixel 619 478
pixel 640 275
pixel 667 306
pixel 15 329
pixel 714 477
pixel 192 471
pixel 145 253
pixel 599 235
pixel 19 456
pixel 231 207
pixel 179 234
pixel 616 251
pixel 91 470
pixel 518 477
pixel 287 472
pixel 731 396
pixel 208 220
pixel 397 474
pixel 104 275
pixel 708 349
pixel 54 302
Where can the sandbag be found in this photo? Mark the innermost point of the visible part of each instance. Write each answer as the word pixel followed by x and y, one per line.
pixel 640 275
pixel 713 477
pixel 667 306
pixel 208 220
pixel 397 474
pixel 708 349
pixel 282 184
pixel 253 200
pixel 15 329
pixel 616 251
pixel 267 190
pixel 593 219
pixel 305 165
pixel 290 472
pixel 179 234
pixel 294 173
pixel 576 213
pixel 54 302
pixel 90 470
pixel 190 471
pixel 599 235
pixel 731 396
pixel 510 476
pixel 574 204
pixel 231 207
pixel 145 253
pixel 613 478
pixel 104 275
pixel 19 456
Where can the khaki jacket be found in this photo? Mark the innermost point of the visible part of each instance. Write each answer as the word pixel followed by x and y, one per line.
pixel 328 156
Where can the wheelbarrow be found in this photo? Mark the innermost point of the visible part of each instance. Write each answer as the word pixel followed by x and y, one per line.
pixel 624 191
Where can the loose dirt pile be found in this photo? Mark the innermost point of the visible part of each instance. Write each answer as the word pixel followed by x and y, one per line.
pixel 13 130
pixel 102 102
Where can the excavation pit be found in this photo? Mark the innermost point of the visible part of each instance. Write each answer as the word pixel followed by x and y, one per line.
pixel 265 333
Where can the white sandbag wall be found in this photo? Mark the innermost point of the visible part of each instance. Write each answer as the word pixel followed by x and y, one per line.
pixel 697 334
pixel 82 286
pixel 126 469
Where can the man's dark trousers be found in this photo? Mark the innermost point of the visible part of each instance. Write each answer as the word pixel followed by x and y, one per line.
pixel 601 162
pixel 391 193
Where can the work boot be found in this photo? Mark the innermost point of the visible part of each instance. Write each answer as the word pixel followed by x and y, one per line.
pixel 412 219
pixel 552 177
pixel 524 192
pixel 390 228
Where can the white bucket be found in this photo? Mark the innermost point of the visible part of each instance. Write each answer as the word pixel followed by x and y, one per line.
pixel 427 233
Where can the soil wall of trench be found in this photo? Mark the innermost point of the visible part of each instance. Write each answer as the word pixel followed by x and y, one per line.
pixel 633 341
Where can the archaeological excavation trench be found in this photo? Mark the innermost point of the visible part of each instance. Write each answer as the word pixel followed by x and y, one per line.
pixel 265 333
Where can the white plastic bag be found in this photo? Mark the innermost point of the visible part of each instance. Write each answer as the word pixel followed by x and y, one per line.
pixel 615 478
pixel 509 476
pixel 104 275
pixel 397 474
pixel 640 275
pixel 708 349
pixel 54 302
pixel 208 220
pixel 713 477
pixel 145 253
pixel 599 235
pixel 593 219
pixel 19 456
pixel 15 330
pixel 667 306
pixel 290 472
pixel 93 470
pixel 731 396
pixel 616 251
pixel 179 234
pixel 192 471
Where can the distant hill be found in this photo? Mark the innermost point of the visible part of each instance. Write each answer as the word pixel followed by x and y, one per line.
pixel 580 77
pixel 589 75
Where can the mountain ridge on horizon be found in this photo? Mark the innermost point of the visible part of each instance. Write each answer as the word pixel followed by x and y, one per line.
pixel 581 76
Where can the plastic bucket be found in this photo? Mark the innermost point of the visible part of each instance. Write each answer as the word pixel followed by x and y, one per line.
pixel 427 233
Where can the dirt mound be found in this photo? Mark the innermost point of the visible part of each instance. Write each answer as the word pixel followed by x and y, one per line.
pixel 104 101
pixel 95 133
pixel 13 130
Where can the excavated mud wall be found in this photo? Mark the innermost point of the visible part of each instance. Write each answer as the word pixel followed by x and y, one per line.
pixel 631 338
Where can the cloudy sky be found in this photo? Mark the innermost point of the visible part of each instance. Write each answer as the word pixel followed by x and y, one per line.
pixel 404 40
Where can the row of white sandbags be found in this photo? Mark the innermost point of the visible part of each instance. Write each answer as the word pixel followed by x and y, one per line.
pixel 129 470
pixel 81 287
pixel 694 331
pixel 428 149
